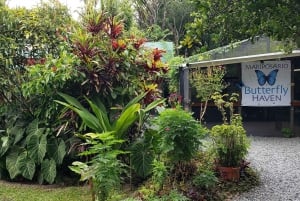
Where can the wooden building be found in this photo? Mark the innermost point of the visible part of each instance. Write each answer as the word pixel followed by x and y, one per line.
pixel 269 81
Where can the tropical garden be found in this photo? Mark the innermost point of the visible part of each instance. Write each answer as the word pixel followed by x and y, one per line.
pixel 84 103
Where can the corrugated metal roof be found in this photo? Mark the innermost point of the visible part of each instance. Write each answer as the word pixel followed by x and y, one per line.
pixel 256 57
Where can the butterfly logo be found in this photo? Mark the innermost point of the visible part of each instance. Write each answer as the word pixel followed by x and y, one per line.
pixel 239 84
pixel 270 78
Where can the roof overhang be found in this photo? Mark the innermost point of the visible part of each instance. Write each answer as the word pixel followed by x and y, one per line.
pixel 233 60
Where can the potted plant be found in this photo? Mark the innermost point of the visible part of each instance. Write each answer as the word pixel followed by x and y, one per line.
pixel 230 141
pixel 287 132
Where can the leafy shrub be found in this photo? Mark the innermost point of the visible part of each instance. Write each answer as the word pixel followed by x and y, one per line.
pixel 287 132
pixel 104 169
pixel 160 172
pixel 179 135
pixel 205 179
pixel 142 156
pixel 173 195
pixel 231 144
pixel 230 140
pixel 31 151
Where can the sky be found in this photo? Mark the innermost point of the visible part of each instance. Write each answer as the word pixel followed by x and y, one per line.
pixel 73 5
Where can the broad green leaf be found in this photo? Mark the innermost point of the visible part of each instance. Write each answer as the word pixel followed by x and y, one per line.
pixel 88 118
pixel 56 149
pixel 79 167
pixel 4 145
pixel 84 170
pixel 135 100
pixel 71 100
pixel 12 165
pixel 26 166
pixel 142 159
pixel 18 133
pixel 102 136
pixel 101 114
pixel 37 146
pixel 154 104
pixel 32 127
pixel 60 153
pixel 126 119
pixel 48 169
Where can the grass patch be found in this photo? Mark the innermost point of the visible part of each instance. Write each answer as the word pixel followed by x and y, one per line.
pixel 25 192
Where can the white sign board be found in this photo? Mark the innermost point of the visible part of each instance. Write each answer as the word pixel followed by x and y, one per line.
pixel 266 83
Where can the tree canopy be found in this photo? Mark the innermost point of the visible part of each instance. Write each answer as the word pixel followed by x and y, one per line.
pixel 221 22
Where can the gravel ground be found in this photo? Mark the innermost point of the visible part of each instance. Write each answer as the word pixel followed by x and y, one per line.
pixel 278 163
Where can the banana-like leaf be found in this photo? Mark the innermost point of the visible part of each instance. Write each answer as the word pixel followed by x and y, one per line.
pixel 126 119
pixel 48 169
pixel 12 165
pixel 37 147
pixel 26 166
pixel 100 112
pixel 135 100
pixel 88 118
pixel 154 104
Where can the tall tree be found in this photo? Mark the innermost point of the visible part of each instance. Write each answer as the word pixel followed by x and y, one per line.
pixel 220 22
pixel 164 19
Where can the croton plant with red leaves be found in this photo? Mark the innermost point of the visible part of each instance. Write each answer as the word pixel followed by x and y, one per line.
pixel 117 63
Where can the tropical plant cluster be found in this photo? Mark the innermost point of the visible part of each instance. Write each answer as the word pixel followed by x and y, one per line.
pixel 83 99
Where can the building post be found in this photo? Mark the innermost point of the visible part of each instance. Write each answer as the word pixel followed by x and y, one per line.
pixel 292 112
pixel 185 86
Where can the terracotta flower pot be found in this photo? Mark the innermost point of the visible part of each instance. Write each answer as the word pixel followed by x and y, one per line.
pixel 230 173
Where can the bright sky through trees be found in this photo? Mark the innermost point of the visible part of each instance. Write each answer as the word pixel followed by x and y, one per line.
pixel 73 5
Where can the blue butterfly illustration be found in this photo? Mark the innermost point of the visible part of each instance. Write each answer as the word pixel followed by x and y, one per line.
pixel 270 78
pixel 239 84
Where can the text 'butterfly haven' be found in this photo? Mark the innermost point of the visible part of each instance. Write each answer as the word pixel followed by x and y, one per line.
pixel 270 78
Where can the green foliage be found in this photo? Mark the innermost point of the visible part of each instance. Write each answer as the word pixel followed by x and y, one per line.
pixel 142 156
pixel 230 144
pixel 230 140
pixel 173 195
pixel 220 22
pixel 180 135
pixel 160 173
pixel 103 146
pixel 164 20
pixel 98 119
pixel 207 81
pixel 31 42
pixel 173 73
pixel 225 103
pixel 48 170
pixel 287 132
pixel 104 168
pixel 28 149
pixel 205 179
pixel 155 33
pixel 54 75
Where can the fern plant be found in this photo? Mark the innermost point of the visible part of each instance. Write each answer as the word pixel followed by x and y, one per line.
pixel 104 169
